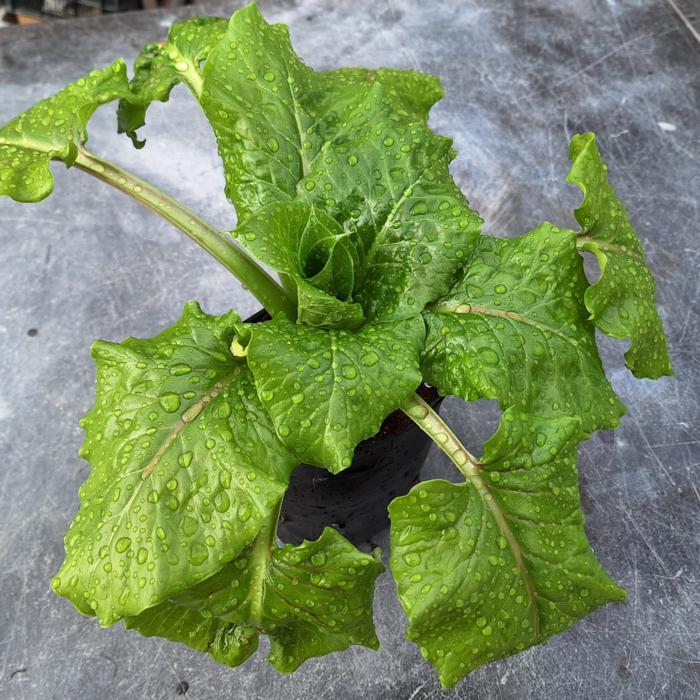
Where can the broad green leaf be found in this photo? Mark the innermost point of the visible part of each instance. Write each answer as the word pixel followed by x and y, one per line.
pixel 622 302
pixel 358 147
pixel 185 468
pixel 315 256
pixel 353 142
pixel 53 129
pixel 326 390
pixel 159 67
pixel 411 93
pixel 515 328
pixel 310 599
pixel 387 179
pixel 227 642
pixel 499 563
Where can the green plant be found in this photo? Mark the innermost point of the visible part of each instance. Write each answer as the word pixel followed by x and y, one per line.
pixel 385 281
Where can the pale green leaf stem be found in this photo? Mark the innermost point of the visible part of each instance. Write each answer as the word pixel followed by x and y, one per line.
pixel 216 243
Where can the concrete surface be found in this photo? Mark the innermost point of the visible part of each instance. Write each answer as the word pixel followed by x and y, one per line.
pixel 521 77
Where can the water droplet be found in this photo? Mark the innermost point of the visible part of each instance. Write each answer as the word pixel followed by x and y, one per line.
pixel 245 511
pixel 412 558
pixel 170 402
pixel 348 371
pixel 198 554
pixel 318 559
pixel 370 358
pixel 189 526
pixel 122 544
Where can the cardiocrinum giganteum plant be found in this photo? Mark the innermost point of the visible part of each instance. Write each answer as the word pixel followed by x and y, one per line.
pixel 340 187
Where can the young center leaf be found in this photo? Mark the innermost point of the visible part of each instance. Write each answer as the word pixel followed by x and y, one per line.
pixel 353 142
pixel 515 328
pixel 185 469
pixel 622 302
pixel 491 566
pixel 53 129
pixel 315 257
pixel 326 390
pixel 310 600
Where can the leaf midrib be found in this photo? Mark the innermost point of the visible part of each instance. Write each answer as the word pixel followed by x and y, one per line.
pixel 446 307
pixel 606 246
pixel 186 418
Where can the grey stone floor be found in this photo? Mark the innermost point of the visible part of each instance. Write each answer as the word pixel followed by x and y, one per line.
pixel 520 77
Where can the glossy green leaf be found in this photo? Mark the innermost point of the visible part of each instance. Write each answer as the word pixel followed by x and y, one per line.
pixel 185 468
pixel 160 67
pixel 501 562
pixel 53 129
pixel 386 177
pixel 310 600
pixel 315 256
pixel 622 302
pixel 353 142
pixel 321 310
pixel 326 390
pixel 515 328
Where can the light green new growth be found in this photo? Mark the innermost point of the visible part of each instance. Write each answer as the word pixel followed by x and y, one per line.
pixel 342 189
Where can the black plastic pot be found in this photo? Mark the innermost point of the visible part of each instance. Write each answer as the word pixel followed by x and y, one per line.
pixel 355 501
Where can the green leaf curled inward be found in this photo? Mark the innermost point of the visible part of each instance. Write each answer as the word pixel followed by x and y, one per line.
pixel 53 129
pixel 321 310
pixel 185 469
pixel 492 566
pixel 326 390
pixel 622 302
pixel 353 142
pixel 310 600
pixel 515 328
pixel 314 255
pixel 160 67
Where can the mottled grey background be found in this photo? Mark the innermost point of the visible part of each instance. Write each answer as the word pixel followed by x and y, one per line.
pixel 87 263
